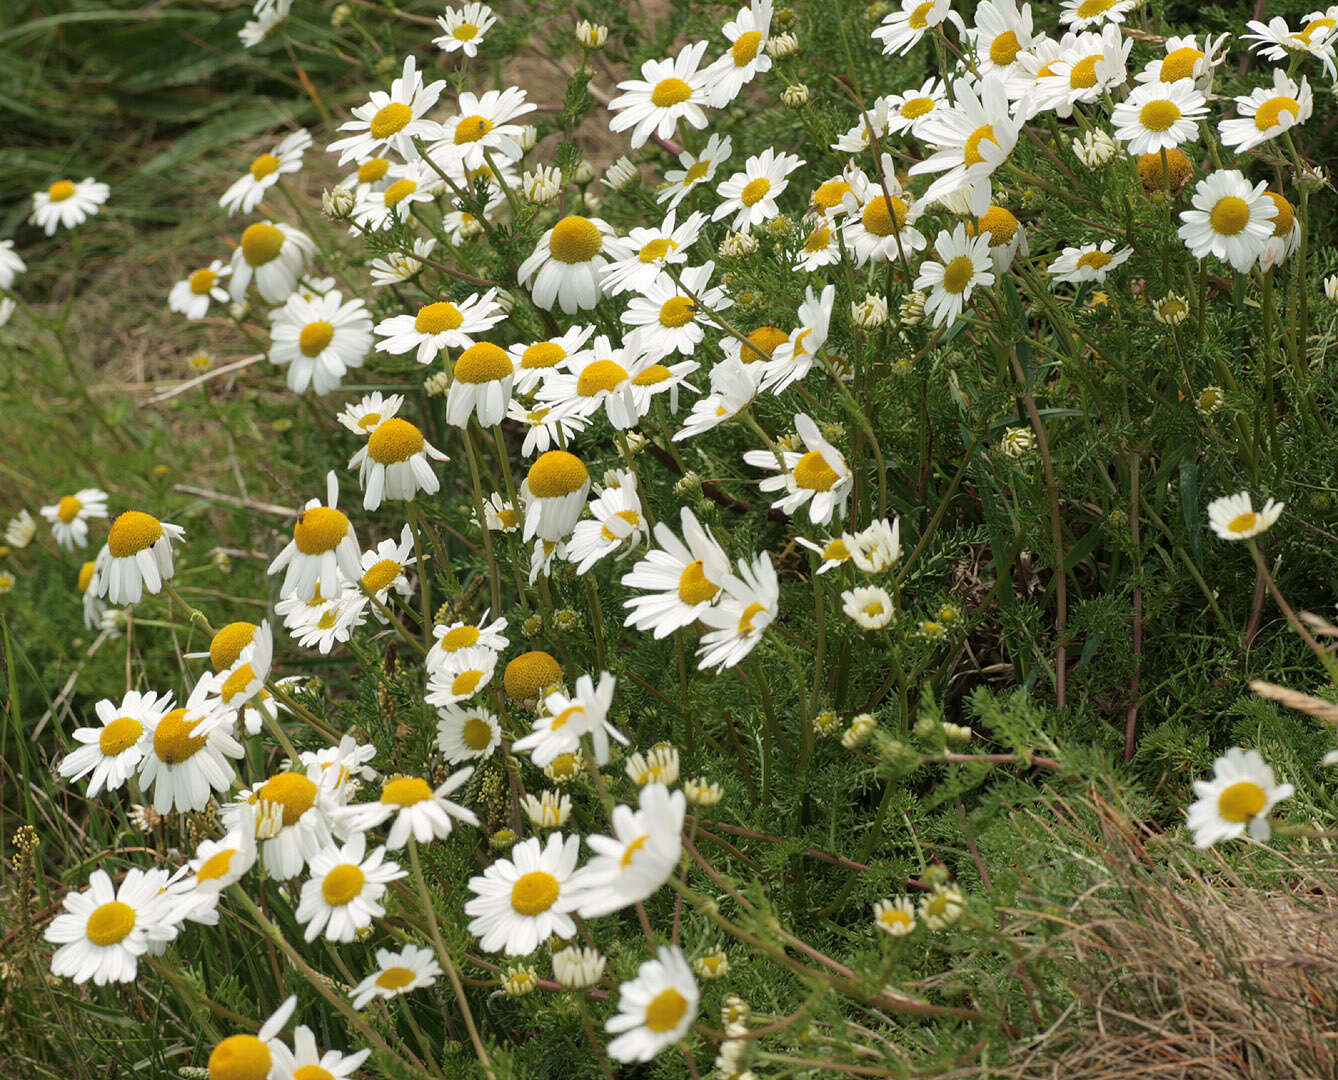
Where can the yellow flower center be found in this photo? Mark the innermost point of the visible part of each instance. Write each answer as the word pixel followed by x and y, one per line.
pixel 1313 27
pixel 696 171
pixel 1269 114
pixel 174 739
pixel 534 893
pixel 405 791
pixel 1282 224
pixel 1229 216
pixel 916 107
pixel 390 119
pixel 394 441
pixel 835 551
pixel 68 508
pixel 882 221
pixel 813 473
pixel 606 375
pixel 110 923
pixel 202 281
pixel 829 194
pixel 239 1057
pixel 293 791
pixel 1241 801
pixel 895 917
pixel 763 340
pixel 656 250
pixel 216 866
pixel 1179 64
pixel 754 191
pixel 477 733
pixel 1095 259
pixel 60 191
pixel 237 682
pixel 461 637
pixel 971 150
pixel 86 575
pixel 544 354
pixel 1082 76
pixel 957 274
pixel 315 336
pixel 669 92
pixel 399 191
pixel 1159 115
pixel 566 716
pixel 472 129
pixel 1004 49
pixel 342 884
pixel 483 362
pixel 261 243
pixel 694 587
pixel 327 620
pixel 919 18
pixel 464 684
pixel 438 318
pixel 381 575
pixel 529 673
pixel 312 1072
pixel 1089 9
pixel 226 646
pixel 369 172
pixel 575 240
pixel 667 1008
pixel 629 852
pixel 744 49
pixel 653 376
pixel 630 516
pixel 263 166
pixel 999 223
pixel 395 978
pixel 465 32
pixel 1243 523
pixel 873 608
pixel 319 530
pixel 677 311
pixel 132 532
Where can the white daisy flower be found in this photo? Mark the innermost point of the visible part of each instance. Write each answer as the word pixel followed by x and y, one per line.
pixel 1230 219
pixel 1237 799
pixel 868 606
pixel 1005 234
pixel 1157 116
pixel 535 361
pixel 553 494
pixel 747 34
pixel 439 325
pixel 1001 32
pixel 104 930
pixel 667 92
pixel 264 172
pixel 386 567
pixel 749 605
pixel 679 581
pixel 564 718
pixel 66 204
pixel 220 863
pixel 1275 40
pixel 550 811
pixel 184 753
pixel 835 552
pixel 524 900
pixel 70 516
pixel 895 918
pixel 414 182
pixel 289 816
pixel 650 250
pixel 256 30
pixel 461 676
pixel 656 1009
pixel 343 894
pixel 661 378
pixel 272 254
pixel 819 476
pixel 566 264
pixel 1286 236
pixel 401 266
pixel 467 734
pixel 11 264
pixel 328 622
pixel 1088 262
pixel 481 385
pixel 877 547
pixel 903 27
pixel 792 359
pixel 319 340
pixel 418 810
pixel 94 608
pixel 500 514
pixel 1233 517
pixel 965 265
pixel 543 555
pixel 974 136
pixel 323 545
pixel 139 557
pixel 1080 14
pixel 457 636
pixel 751 195
pixel 546 426
pixel 604 381
pixel 1185 60
pixel 391 120
pixel 617 523
pixel 821 247
pixel 412 968
pixel 243 681
pixel 364 415
pixel 638 858
pixel 112 752
pixel 484 122
pixel 261 1056
pixel 696 169
pixel 191 296
pixel 394 465
pixel 880 227
pixel 669 316
pixel 1079 69
pixel 20 529
pixel 463 29
pixel 1266 113
pixel 369 176
pixel 310 1064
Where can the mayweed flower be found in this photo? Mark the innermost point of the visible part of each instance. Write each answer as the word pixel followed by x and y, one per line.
pixel 667 92
pixel 894 917
pixel 391 120
pixel 751 195
pixel 323 546
pixel 795 96
pixel 622 175
pixel 819 477
pixel 655 1009
pixel 1089 262
pixel 1171 310
pixel 191 296
pixel 943 907
pixel 869 313
pixel 519 980
pixel 901 29
pixel 1158 116
pixel 592 36
pixel 67 203
pixel 911 311
pixel 567 262
pixel 702 792
pixel 104 930
pixel 1017 442
pixel 543 185
pixel 869 607
pixel 20 529
pixel 523 900
pixel 659 766
pixel 464 28
pixel 136 557
pixel 343 894
pixel 1230 219
pixel 750 602
pixel 442 324
pixel 264 172
pixel 1095 148
pixel 1233 517
pixel 112 752
pixel 748 34
pixel 1238 799
pixel 696 169
pixel 549 811
pixel 397 973
pixel 419 810
pixel 965 265
pixel 274 256
pixel 553 493
pixel 565 718
pixel 1265 114
pixel 69 516
pixel 859 732
pixel 319 340
pixel 337 204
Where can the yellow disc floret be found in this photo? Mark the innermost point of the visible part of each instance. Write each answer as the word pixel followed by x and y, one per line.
pixel 958 273
pixel 240 1057
pixel 405 790
pixel 677 311
pixel 320 529
pixel 529 674
pixel 534 893
pixel 575 239
pixel 669 92
pixel 813 473
pixel 261 243
pixel 174 739
pixel 132 532
pixel 1241 801
pixel 390 119
pixel 438 318
pixel 394 441
pixel 314 338
pixel 342 884
pixel 60 191
pixel 667 1008
pixel 294 791
pixel 556 473
pixel 263 166
pixel 483 362
pixel 694 587
pixel 226 646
